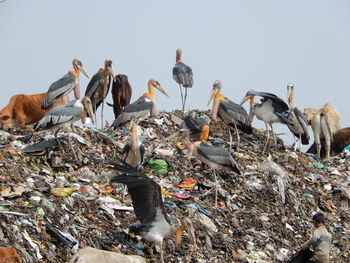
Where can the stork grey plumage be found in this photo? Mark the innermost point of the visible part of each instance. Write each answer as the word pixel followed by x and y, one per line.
pixel 65 85
pixel 216 157
pixel 64 115
pixel 133 152
pixel 183 75
pixel 145 106
pixel 61 115
pixel 197 127
pixel 155 223
pixel 138 109
pixel 298 123
pixel 272 109
pixel 99 85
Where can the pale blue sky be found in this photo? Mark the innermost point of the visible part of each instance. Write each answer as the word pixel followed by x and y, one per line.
pixel 250 44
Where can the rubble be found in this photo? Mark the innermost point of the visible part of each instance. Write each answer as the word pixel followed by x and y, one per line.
pixel 53 209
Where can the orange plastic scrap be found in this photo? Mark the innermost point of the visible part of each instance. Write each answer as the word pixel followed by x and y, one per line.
pixel 189 183
pixel 221 205
pixel 9 254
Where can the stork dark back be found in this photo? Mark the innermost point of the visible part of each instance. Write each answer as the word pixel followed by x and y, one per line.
pixel 121 93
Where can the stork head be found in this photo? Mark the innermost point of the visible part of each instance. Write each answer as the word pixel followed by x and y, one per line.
pixel 87 109
pixel 78 66
pixel 216 97
pixel 290 89
pixel 152 83
pixel 109 67
pixel 178 55
pixel 248 96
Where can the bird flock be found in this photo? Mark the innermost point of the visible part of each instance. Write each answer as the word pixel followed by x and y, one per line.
pixel 155 224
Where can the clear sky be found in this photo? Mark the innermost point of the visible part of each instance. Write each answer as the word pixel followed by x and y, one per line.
pixel 247 44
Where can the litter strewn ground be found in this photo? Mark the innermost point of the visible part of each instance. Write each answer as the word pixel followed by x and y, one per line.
pixel 51 206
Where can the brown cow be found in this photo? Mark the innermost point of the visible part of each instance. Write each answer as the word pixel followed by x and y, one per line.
pixel 25 109
pixel 9 255
pixel 121 93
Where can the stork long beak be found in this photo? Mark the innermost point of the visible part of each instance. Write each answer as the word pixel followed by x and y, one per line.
pixel 161 89
pixel 249 97
pixel 83 70
pixel 212 95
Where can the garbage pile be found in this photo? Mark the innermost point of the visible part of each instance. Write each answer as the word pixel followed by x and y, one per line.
pixel 52 207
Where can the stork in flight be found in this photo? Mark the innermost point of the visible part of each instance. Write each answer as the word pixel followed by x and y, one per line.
pixel 298 123
pixel 272 109
pixel 183 75
pixel 145 105
pixel 65 85
pixel 63 116
pixel 233 114
pixel 155 224
pixel 98 87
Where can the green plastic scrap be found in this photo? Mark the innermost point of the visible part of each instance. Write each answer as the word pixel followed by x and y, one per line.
pixel 159 166
pixel 318 165
pixel 347 147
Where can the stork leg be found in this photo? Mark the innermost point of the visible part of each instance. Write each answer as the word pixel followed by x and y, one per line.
pixel 273 134
pixel 102 115
pixel 216 189
pixel 161 252
pixel 238 138
pixel 230 135
pixel 72 148
pixel 95 115
pixel 58 141
pixel 182 98
pixel 268 137
pixel 183 107
pixel 299 142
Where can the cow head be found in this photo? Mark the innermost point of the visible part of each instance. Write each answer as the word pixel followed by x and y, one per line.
pixel 5 121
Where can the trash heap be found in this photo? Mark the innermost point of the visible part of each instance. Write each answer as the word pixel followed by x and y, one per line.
pixel 51 206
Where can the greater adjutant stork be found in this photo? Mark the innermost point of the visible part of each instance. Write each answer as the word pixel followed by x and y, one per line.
pixel 145 106
pixel 272 109
pixel 216 158
pixel 183 75
pixel 133 152
pixel 64 115
pixel 65 85
pixel 298 123
pixel 155 224
pixel 233 114
pixel 198 127
pixel 98 87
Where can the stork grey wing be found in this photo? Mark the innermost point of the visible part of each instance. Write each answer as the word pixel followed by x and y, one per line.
pixel 60 87
pixel 215 154
pixel 300 114
pixel 183 75
pixel 280 105
pixel 93 84
pixel 305 138
pixel 145 193
pixel 192 124
pixel 125 151
pixel 60 115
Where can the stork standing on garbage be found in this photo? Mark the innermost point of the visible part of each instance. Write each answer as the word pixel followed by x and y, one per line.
pixel 272 109
pixel 65 85
pixel 98 87
pixel 156 225
pixel 183 75
pixel 216 158
pixel 298 123
pixel 63 116
pixel 233 114
pixel 145 106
